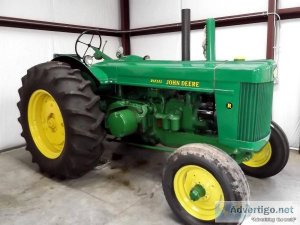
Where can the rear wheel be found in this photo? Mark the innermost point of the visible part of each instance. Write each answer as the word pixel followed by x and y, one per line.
pixel 272 158
pixel 198 178
pixel 61 120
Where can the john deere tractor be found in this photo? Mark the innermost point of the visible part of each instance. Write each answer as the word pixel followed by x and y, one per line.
pixel 216 113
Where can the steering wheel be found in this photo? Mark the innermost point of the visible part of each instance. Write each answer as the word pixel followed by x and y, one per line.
pixel 89 45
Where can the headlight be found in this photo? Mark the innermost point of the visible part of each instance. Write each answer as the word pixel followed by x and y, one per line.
pixel 88 60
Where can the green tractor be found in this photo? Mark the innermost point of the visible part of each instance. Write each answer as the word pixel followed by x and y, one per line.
pixel 217 113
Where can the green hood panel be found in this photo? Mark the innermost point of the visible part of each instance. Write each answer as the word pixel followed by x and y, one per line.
pixel 181 75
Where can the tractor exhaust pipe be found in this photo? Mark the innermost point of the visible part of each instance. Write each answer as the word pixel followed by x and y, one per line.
pixel 185 34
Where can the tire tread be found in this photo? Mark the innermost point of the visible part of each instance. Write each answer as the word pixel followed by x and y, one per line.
pixel 76 100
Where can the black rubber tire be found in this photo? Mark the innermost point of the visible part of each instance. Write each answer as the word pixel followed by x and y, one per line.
pixel 279 158
pixel 82 119
pixel 227 172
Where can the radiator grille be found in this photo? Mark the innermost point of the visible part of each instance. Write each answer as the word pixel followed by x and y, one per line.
pixel 255 111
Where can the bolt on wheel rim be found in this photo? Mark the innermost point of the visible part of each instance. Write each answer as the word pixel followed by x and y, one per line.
pixel 260 158
pixel 209 200
pixel 46 124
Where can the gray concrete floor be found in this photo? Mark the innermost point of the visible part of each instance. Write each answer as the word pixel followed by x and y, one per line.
pixel 124 191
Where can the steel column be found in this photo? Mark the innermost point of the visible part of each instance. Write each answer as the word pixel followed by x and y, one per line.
pixel 272 8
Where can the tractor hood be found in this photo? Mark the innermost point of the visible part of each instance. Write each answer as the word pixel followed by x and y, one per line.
pixel 185 75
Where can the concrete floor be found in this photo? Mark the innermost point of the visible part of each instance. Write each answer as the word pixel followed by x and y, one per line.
pixel 124 191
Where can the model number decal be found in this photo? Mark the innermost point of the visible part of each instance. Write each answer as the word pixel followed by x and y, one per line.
pixel 156 81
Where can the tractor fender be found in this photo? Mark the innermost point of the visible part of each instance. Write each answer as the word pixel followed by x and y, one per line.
pixel 88 73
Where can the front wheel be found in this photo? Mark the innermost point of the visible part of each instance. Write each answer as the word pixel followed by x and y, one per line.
pixel 272 158
pixel 198 178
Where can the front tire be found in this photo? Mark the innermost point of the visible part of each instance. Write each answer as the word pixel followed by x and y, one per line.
pixel 272 158
pixel 61 120
pixel 197 176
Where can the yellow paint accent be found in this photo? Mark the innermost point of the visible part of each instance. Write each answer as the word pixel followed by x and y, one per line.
pixel 156 81
pixel 239 58
pixel 206 207
pixel 229 105
pixel 183 83
pixel 260 158
pixel 46 124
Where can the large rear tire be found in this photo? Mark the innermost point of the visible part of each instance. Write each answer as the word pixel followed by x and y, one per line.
pixel 61 120
pixel 196 177
pixel 272 158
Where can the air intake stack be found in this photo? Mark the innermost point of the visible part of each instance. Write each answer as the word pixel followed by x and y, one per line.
pixel 210 40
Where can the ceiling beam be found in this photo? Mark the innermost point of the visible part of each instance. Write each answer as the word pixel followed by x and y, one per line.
pixel 199 24
pixel 51 26
pixel 289 13
pixel 249 18
pixel 286 13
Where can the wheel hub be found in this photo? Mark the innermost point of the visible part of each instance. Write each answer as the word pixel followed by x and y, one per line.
pixel 51 122
pixel 198 192
pixel 46 124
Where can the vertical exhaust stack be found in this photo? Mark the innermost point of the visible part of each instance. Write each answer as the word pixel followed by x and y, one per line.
pixel 185 34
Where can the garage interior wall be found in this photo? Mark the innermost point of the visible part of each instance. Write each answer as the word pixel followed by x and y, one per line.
pixel 21 48
pixel 248 41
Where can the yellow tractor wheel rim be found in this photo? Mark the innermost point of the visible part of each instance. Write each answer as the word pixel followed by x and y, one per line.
pixel 46 124
pixel 260 158
pixel 208 207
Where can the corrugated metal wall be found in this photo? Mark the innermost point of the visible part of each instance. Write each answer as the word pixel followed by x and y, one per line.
pixel 20 48
pixel 245 40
